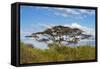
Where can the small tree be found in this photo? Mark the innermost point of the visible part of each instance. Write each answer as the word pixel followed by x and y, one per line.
pixel 58 34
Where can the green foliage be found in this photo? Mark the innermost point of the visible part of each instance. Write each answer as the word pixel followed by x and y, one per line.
pixel 55 53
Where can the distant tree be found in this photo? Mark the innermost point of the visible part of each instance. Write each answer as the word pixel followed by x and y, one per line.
pixel 30 45
pixel 58 34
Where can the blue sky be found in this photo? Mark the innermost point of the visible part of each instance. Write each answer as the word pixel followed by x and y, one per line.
pixel 35 19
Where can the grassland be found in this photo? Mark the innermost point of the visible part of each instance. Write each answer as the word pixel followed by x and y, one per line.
pixel 55 53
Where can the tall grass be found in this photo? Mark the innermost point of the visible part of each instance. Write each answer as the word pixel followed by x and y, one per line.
pixel 55 53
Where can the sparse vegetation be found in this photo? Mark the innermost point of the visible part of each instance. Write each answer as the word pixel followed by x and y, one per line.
pixel 54 53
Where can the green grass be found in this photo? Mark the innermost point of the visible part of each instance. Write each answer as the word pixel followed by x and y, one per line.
pixel 55 53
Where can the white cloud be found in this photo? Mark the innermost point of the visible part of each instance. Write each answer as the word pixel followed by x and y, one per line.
pixel 47 25
pixel 65 12
pixel 72 11
pixel 75 13
pixel 89 12
pixel 60 14
pixel 85 29
pixel 69 12
pixel 76 25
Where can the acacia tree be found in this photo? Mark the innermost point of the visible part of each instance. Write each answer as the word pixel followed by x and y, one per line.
pixel 58 34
